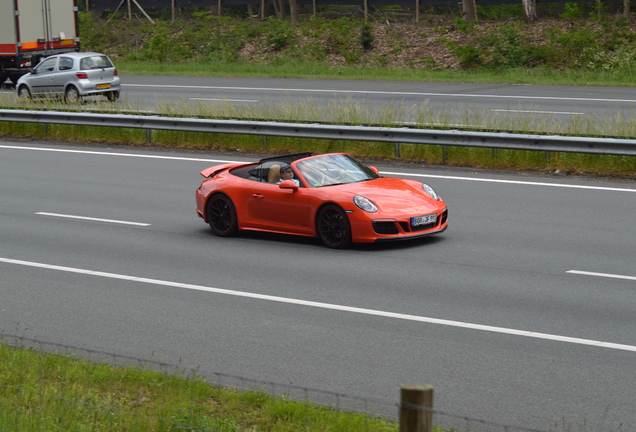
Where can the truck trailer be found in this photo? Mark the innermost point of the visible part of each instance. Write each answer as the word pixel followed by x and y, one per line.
pixel 31 30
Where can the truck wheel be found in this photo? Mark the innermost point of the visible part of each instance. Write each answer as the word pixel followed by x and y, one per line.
pixel 14 78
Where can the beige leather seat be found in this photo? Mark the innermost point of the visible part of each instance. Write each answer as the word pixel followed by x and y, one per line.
pixel 274 174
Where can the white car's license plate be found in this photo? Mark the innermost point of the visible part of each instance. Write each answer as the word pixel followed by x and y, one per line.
pixel 423 220
pixel 103 86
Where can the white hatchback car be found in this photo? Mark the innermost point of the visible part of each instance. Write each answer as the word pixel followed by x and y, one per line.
pixel 72 76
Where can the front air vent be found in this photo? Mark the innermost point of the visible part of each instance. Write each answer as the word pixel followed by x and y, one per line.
pixel 384 227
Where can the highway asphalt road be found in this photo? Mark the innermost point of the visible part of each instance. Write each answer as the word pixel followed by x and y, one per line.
pixel 534 103
pixel 522 312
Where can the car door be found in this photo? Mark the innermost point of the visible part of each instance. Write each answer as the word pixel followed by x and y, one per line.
pixel 285 210
pixel 42 79
pixel 65 75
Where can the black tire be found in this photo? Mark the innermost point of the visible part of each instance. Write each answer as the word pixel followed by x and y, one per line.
pixel 222 216
pixel 72 95
pixel 333 227
pixel 112 96
pixel 24 93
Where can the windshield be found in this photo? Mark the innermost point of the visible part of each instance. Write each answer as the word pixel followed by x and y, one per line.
pixel 334 169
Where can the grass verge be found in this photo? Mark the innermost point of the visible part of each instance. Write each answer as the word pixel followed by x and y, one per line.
pixel 42 392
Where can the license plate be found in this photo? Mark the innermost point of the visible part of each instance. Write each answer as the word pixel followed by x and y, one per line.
pixel 423 220
pixel 103 86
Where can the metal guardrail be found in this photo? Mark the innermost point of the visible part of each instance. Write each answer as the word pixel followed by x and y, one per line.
pixel 398 135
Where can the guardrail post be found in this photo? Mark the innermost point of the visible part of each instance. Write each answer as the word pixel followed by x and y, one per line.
pixel 398 148
pixel 149 136
pixel 264 142
pixel 416 407
pixel 45 128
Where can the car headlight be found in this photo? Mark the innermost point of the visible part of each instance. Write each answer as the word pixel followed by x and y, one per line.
pixel 365 204
pixel 429 190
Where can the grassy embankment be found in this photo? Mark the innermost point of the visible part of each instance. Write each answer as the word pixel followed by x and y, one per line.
pixel 569 50
pixel 51 392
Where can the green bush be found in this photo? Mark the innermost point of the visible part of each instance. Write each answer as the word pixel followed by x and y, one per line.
pixel 278 33
pixel 366 36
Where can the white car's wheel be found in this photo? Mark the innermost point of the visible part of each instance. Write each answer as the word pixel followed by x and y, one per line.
pixel 24 93
pixel 72 95
pixel 112 96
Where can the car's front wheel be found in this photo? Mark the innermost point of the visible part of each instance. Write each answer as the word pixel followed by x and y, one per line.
pixel 333 227
pixel 72 95
pixel 24 93
pixel 222 215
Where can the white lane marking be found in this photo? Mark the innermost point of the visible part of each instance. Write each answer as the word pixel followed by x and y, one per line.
pixel 607 275
pixel 538 112
pixel 92 219
pixel 226 100
pixel 477 179
pixel 396 93
pixel 330 306
pixel 119 154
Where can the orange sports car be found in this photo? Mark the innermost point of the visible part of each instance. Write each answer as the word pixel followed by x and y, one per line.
pixel 334 197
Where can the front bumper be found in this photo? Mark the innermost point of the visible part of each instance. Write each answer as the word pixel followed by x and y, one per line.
pixel 367 230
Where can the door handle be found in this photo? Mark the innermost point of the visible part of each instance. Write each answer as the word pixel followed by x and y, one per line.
pixel 258 196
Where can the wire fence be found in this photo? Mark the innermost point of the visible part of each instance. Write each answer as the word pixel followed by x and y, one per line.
pixel 373 407
pixel 111 5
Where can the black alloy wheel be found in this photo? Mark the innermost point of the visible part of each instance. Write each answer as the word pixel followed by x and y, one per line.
pixel 333 227
pixel 222 216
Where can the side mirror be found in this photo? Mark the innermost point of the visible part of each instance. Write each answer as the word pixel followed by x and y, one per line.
pixel 375 170
pixel 288 184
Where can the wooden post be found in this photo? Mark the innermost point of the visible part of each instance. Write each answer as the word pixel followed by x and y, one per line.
pixel 469 10
pixel 142 10
pixel 413 419
pixel 417 11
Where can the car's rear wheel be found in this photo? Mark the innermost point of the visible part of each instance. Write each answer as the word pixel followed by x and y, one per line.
pixel 333 227
pixel 72 95
pixel 112 96
pixel 222 215
pixel 24 93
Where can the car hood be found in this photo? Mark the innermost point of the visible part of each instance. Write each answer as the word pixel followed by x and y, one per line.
pixel 390 193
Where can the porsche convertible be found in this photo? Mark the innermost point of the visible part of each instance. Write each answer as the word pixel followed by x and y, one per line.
pixel 334 197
